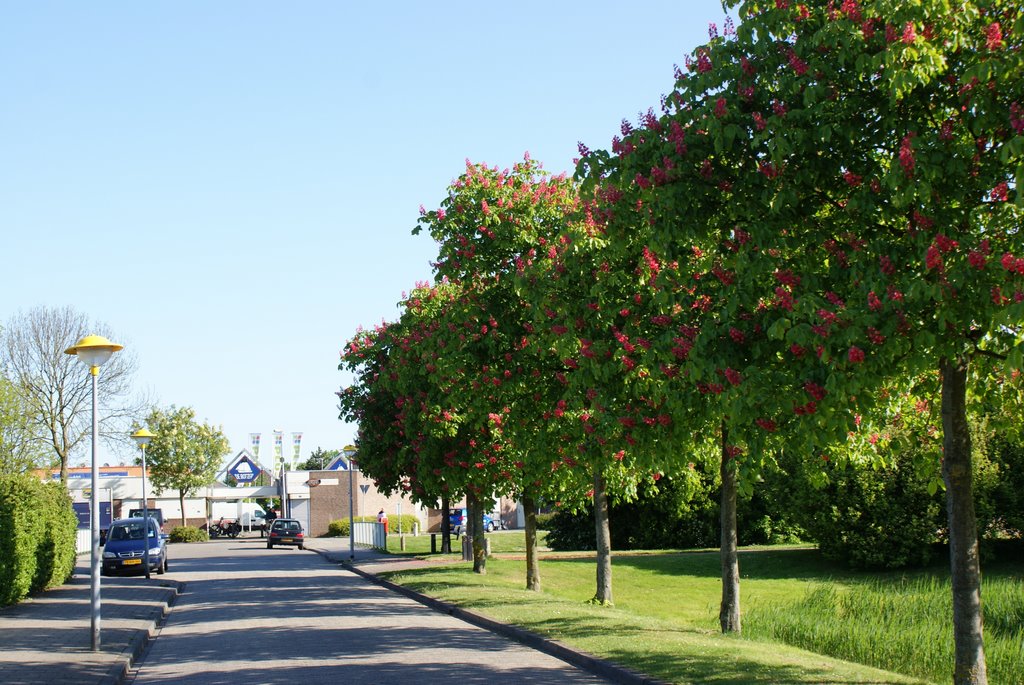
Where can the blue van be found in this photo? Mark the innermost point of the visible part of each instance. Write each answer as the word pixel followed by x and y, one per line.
pixel 126 543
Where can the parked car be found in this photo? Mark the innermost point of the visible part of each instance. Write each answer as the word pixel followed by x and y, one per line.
pixel 458 520
pixel 285 532
pixel 125 547
pixel 158 514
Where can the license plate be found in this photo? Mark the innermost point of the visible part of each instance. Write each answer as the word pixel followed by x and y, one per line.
pixel 131 562
pixel 286 539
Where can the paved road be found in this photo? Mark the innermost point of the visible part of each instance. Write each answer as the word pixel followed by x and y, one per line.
pixel 252 615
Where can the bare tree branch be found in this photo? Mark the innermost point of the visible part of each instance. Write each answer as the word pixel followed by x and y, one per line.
pixel 56 387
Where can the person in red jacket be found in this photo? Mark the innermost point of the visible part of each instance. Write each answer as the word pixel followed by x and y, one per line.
pixel 383 518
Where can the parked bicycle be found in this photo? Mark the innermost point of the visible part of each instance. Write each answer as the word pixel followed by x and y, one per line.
pixel 228 529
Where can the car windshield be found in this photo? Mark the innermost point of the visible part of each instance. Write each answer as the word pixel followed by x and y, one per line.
pixel 287 526
pixel 129 531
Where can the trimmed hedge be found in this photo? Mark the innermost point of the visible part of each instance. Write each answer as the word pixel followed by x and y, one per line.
pixel 187 534
pixel 37 536
pixel 339 527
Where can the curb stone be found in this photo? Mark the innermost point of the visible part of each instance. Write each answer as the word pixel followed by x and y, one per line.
pixel 140 641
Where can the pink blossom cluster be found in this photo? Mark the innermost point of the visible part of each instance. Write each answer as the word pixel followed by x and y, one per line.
pixel 907 160
pixel 994 36
pixel 814 390
pixel 1012 264
pixel 1017 117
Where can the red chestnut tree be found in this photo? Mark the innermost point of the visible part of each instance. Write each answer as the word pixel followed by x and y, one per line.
pixel 849 170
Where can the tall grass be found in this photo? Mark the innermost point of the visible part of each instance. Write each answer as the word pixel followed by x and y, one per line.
pixel 898 625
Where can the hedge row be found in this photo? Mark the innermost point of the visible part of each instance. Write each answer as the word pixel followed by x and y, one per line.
pixel 339 527
pixel 37 536
pixel 188 534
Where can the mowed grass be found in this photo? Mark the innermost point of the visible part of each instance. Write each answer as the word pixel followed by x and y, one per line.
pixel 805 620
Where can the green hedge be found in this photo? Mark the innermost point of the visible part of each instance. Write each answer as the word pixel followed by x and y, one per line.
pixel 339 527
pixel 37 536
pixel 187 534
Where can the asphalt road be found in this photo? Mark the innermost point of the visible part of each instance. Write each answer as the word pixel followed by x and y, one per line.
pixel 252 615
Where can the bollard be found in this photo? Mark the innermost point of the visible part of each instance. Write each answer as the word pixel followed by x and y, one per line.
pixel 487 547
pixel 467 548
pixel 433 543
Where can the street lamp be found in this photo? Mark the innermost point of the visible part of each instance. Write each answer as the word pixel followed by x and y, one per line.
pixel 350 453
pixel 94 351
pixel 142 438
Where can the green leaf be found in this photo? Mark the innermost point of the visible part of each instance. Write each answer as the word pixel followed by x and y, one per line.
pixel 1020 180
pixel 777 331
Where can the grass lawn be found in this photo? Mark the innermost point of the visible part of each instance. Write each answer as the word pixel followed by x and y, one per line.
pixel 665 619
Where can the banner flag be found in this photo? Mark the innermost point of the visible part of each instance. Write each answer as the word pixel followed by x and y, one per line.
pixel 296 442
pixel 278 448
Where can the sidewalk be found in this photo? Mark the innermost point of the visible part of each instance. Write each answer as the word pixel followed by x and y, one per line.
pixel 47 639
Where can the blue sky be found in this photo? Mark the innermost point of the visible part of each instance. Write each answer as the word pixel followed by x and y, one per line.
pixel 231 186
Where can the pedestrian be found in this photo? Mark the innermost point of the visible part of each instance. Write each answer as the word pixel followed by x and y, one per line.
pixel 383 518
pixel 271 516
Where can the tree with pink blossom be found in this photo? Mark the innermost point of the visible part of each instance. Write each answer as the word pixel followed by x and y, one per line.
pixel 830 197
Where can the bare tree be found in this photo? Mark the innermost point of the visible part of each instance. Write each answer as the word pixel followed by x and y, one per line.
pixel 56 388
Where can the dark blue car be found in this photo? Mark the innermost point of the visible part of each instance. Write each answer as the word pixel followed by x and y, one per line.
pixel 126 545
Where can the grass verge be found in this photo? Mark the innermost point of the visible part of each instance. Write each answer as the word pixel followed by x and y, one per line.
pixel 805 620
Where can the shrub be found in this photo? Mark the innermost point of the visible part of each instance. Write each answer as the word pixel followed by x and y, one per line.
pixel 37 536
pixel 19 535
pixel 56 552
pixel 339 527
pixel 569 530
pixel 871 517
pixel 998 462
pixel 188 534
pixel 544 521
pixel 403 523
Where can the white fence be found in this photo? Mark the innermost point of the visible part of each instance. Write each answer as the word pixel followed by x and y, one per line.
pixel 83 541
pixel 370 534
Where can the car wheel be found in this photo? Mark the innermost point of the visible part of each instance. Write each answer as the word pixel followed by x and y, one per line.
pixel 489 527
pixel 270 546
pixel 301 547
pixel 162 568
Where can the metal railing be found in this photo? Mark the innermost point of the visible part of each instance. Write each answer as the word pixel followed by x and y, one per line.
pixel 370 534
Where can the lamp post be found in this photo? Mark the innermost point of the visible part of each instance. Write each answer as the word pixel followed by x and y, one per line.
pixel 350 453
pixel 94 351
pixel 142 438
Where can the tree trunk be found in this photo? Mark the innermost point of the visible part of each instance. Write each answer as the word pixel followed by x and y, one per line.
pixel 181 499
pixel 604 541
pixel 476 533
pixel 969 662
pixel 532 567
pixel 446 525
pixel 729 613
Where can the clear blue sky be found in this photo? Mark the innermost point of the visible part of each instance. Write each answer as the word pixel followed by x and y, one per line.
pixel 231 186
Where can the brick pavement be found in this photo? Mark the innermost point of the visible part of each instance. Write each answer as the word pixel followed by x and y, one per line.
pixel 47 639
